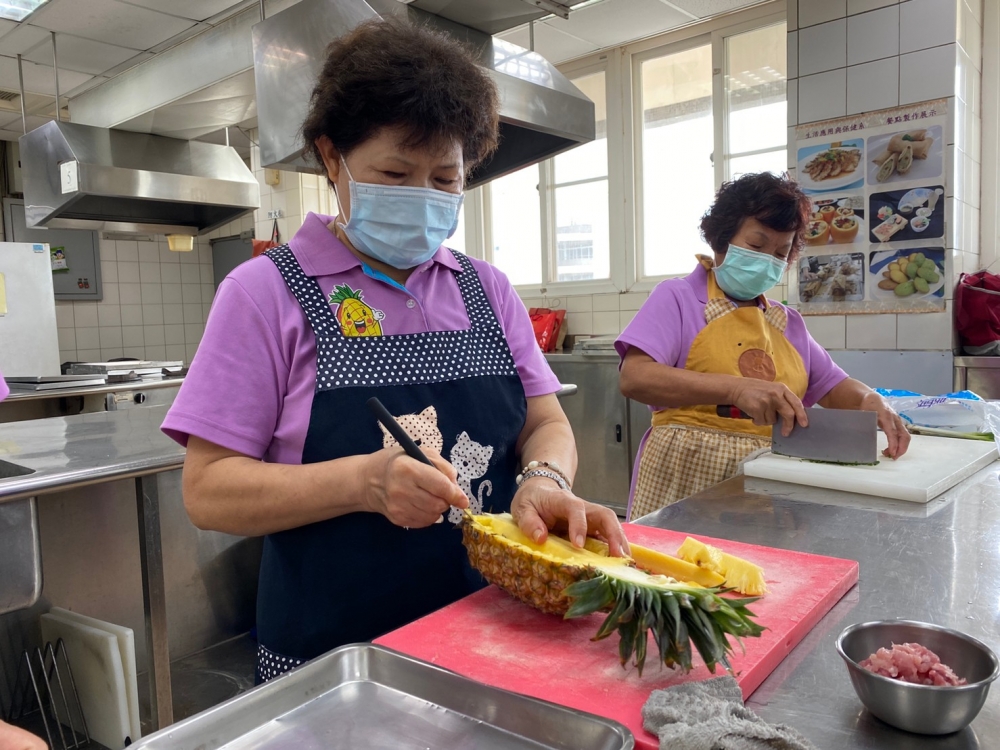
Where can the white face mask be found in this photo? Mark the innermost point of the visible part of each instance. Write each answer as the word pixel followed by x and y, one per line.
pixel 400 226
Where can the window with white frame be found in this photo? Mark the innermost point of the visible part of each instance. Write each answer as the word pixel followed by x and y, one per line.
pixel 675 117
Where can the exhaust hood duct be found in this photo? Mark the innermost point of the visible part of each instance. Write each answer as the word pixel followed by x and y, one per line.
pixel 82 177
pixel 541 112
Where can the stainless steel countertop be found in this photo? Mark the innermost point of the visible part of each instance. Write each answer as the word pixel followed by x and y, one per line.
pixel 84 449
pixel 90 390
pixel 943 568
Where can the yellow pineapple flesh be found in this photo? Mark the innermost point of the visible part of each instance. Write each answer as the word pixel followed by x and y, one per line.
pixel 738 573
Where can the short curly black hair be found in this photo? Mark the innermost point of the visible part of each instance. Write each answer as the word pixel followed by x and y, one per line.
pixel 775 201
pixel 390 73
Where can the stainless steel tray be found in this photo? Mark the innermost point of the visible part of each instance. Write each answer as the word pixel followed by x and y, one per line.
pixel 365 696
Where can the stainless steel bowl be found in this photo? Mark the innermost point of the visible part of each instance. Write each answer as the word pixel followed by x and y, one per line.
pixel 920 708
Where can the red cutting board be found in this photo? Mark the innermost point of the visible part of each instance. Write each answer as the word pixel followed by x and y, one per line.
pixel 493 638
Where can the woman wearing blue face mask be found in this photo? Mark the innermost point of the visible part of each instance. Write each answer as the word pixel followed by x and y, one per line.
pixel 714 339
pixel 359 538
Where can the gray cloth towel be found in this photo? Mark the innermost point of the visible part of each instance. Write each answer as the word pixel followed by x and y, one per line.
pixel 710 715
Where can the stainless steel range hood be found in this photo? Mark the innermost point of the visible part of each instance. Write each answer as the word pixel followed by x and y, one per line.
pixel 83 177
pixel 542 113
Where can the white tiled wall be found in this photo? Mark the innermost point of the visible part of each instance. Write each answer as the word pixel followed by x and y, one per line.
pixel 864 55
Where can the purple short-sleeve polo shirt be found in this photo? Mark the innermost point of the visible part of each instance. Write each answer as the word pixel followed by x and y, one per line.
pixel 250 386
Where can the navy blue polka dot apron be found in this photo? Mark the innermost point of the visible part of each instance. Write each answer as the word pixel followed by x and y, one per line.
pixel 352 578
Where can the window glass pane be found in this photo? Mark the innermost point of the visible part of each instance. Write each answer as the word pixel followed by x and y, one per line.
pixel 517 229
pixel 678 176
pixel 582 248
pixel 591 159
pixel 755 89
pixel 770 161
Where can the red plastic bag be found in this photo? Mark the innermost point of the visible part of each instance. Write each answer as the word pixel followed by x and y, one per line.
pixel 546 324
pixel 977 312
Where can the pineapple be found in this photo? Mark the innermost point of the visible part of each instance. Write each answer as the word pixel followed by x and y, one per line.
pixel 558 578
pixel 354 316
pixel 739 574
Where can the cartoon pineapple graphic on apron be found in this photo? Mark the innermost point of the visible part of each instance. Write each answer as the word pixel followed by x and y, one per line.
pixel 354 316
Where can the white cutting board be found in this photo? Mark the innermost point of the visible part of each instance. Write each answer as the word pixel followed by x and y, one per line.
pixel 931 466
pixel 126 646
pixel 96 662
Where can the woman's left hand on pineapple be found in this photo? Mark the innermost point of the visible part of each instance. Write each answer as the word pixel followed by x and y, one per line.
pixel 541 505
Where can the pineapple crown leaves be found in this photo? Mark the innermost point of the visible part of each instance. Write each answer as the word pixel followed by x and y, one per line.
pixel 342 293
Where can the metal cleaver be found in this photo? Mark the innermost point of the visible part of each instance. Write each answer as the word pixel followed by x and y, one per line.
pixel 840 436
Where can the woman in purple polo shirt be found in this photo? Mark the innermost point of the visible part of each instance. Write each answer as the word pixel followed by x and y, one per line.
pixel 714 339
pixel 273 411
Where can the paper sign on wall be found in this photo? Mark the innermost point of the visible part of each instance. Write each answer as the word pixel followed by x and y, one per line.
pixel 875 239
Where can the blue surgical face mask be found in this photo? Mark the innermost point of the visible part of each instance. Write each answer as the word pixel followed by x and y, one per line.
pixel 747 274
pixel 400 226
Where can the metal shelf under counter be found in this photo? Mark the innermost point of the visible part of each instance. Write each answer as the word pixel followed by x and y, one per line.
pixel 978 374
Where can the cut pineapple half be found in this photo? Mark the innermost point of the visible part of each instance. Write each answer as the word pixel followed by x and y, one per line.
pixel 739 574
pixel 558 578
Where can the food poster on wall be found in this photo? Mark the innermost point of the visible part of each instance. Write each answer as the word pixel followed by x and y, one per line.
pixel 876 184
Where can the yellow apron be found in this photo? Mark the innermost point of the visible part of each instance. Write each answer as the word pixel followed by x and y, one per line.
pixel 691 448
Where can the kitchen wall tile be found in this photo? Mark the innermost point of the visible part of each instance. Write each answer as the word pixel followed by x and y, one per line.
pixel 109 353
pixel 812 12
pixel 580 323
pixel 64 315
pixel 109 271
pixel 189 258
pixel 193 332
pixel 138 352
pixel 973 264
pixel 108 315
pixel 926 23
pixel 173 334
pixel 632 300
pixel 976 6
pixel 954 223
pixel 68 355
pixel 971 183
pixel 205 253
pixel 148 252
pixel 972 232
pixel 823 47
pixel 969 32
pixel 873 36
pixel 149 273
pixel 189 351
pixel 792 102
pixel 156 352
pixel 191 294
pixel 863 6
pixel 88 338
pixel 111 293
pixel 130 294
pixel 579 303
pixel 128 250
pixel 111 336
pixel 830 331
pixel 151 293
pixel 958 174
pixel 207 273
pixel 823 96
pixel 152 336
pixel 530 302
pixel 131 315
pixel 928 74
pixel 190 274
pixel 177 351
pixel 172 294
pixel 977 94
pixel 173 314
pixel 193 314
pixel 128 271
pixel 933 331
pixel 206 308
pixel 207 293
pixel 790 152
pixel 871 331
pixel 88 355
pixel 85 316
pixel 67 339
pixel 167 256
pixel 624 318
pixel 170 274
pixel 873 86
pixel 108 250
pixel 606 302
pixel 132 336
pixel 962 67
pixel 606 323
pixel 792 54
pixel 152 314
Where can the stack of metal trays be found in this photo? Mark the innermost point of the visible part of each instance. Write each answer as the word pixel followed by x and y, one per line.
pixel 365 696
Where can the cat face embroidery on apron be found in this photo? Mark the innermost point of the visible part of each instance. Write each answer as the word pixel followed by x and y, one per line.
pixel 746 342
pixel 352 578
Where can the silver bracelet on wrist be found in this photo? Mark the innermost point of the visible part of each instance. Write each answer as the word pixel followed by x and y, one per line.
pixel 539 472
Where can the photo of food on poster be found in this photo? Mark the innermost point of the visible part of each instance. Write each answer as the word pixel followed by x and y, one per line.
pixel 906 155
pixel 836 220
pixel 902 215
pixel 833 165
pixel 907 274
pixel 832 278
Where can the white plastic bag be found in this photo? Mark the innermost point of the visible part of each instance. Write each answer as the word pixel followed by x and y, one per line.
pixel 963 413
